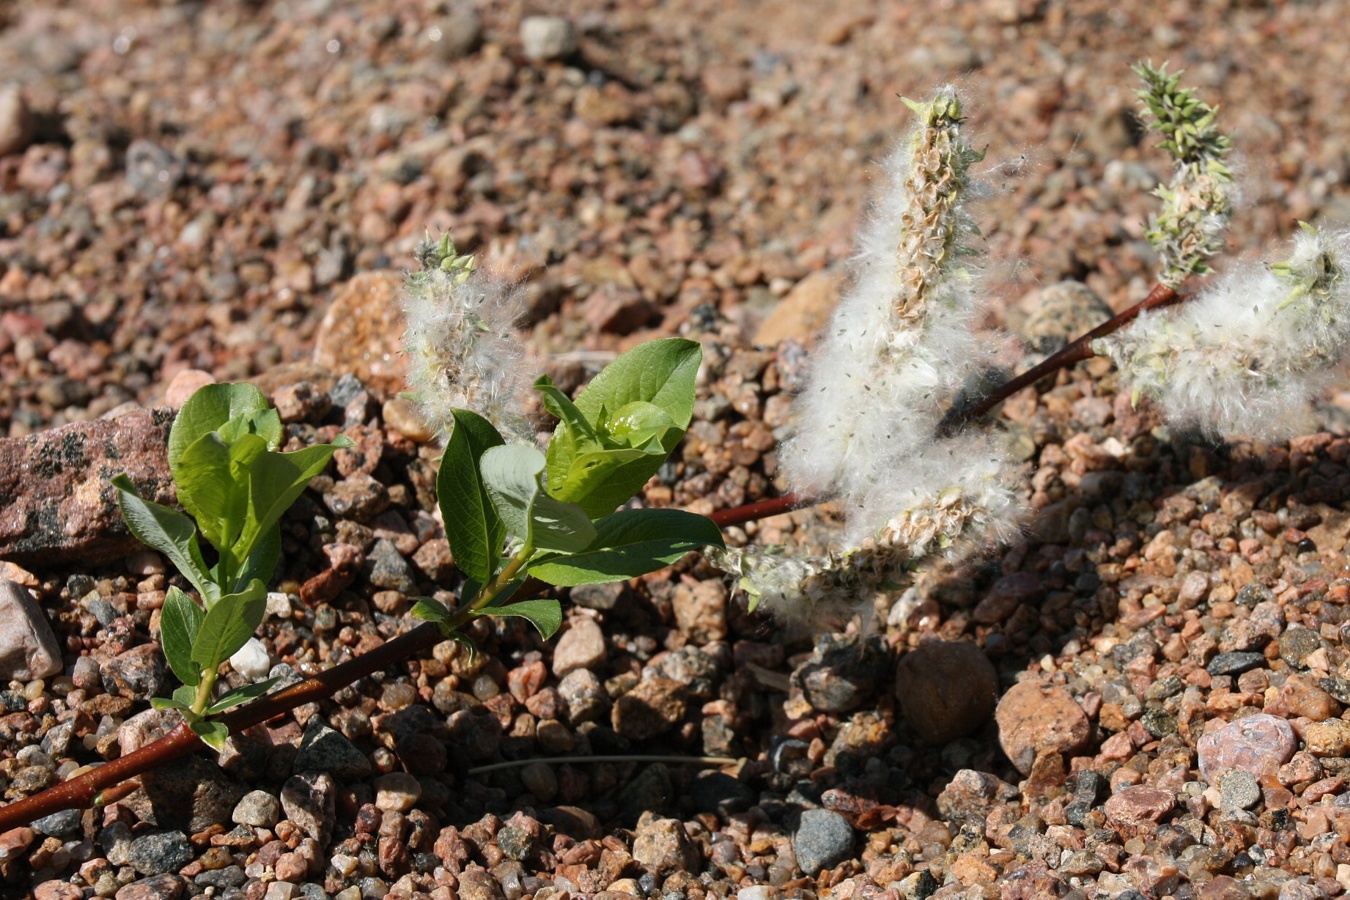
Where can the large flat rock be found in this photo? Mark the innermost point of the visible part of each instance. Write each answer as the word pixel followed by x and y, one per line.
pixel 59 504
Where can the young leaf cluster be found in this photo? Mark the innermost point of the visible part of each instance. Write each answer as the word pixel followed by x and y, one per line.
pixel 235 486
pixel 512 511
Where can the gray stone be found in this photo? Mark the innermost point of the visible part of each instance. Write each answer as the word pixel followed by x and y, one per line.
pixel 257 808
pixel 386 568
pixel 547 37
pixel 584 695
pixel 841 672
pixel 153 170
pixel 160 852
pixel 324 750
pixel 461 31
pixel 28 646
pixel 1235 662
pixel 61 505
pixel 63 824
pixel 823 839
pixel 309 800
pixel 1238 789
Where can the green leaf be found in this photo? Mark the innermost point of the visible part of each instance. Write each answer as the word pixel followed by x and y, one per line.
pixel 231 699
pixel 212 478
pixel 572 435
pixel 544 613
pixel 212 408
pixel 660 372
pixel 431 610
pixel 262 560
pixel 168 531
pixel 511 476
pixel 629 543
pixel 185 694
pixel 169 703
pixel 214 734
pixel 275 480
pixel 229 624
pixel 602 481
pixel 475 531
pixel 179 623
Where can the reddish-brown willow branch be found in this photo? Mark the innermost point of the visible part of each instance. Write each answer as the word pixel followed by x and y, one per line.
pixel 1079 350
pixel 82 791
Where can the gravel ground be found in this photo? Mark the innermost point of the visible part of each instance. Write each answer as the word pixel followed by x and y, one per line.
pixel 1155 672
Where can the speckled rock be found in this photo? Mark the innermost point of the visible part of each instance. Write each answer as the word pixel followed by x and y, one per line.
pixel 581 646
pixel 1035 718
pixel 323 749
pixel 652 708
pixel 309 801
pixel 663 846
pixel 61 504
pixel 1258 744
pixel 361 332
pixel 822 839
pixel 1137 809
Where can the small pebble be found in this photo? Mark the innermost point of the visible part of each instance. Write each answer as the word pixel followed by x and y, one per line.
pixel 252 660
pixel 823 839
pixel 545 38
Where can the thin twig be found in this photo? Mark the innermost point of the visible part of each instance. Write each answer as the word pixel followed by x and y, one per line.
pixel 615 758
pixel 1079 350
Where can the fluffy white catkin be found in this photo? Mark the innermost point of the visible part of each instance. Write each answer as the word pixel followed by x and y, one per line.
pixel 900 344
pixel 461 342
pixel 1247 355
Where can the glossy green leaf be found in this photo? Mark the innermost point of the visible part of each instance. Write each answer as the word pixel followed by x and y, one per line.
pixel 544 613
pixel 602 481
pixel 213 408
pixel 431 610
pixel 180 621
pixel 231 699
pixel 168 531
pixel 628 544
pixel 229 624
pixel 212 478
pixel 511 476
pixel 572 435
pixel 660 372
pixel 275 480
pixel 474 530
pixel 213 734
pixel 262 561
pixel 169 703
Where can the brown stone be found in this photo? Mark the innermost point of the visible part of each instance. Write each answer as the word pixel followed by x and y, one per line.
pixel 1138 809
pixel 1036 718
pixel 801 314
pixel 653 707
pixel 946 690
pixel 361 334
